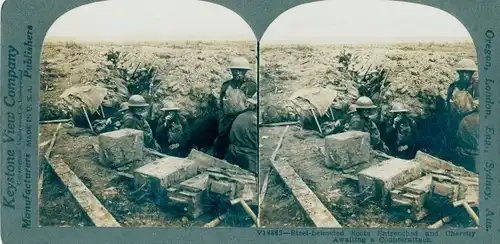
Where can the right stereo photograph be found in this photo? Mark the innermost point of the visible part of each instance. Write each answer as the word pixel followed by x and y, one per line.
pixel 368 118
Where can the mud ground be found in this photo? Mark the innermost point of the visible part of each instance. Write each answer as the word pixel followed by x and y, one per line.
pixel 188 72
pixel 300 150
pixel 419 77
pixel 76 148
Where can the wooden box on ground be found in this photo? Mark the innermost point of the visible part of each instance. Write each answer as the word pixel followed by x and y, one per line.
pixel 165 172
pixel 347 149
pixel 219 169
pixel 385 176
pixel 191 196
pixel 121 147
pixel 414 196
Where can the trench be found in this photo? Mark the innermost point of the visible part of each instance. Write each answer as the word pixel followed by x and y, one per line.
pixel 201 115
pixel 435 137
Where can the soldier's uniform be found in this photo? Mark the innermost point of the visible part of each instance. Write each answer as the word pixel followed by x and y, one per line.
pixel 133 119
pixel 360 121
pixel 341 125
pixel 173 133
pixel 467 142
pixel 402 133
pixel 462 98
pixel 232 100
pixel 244 140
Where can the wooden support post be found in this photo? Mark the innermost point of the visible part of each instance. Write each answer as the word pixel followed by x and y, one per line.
pixel 89 203
pixel 215 222
pixel 439 223
pixel 309 202
pixel 46 156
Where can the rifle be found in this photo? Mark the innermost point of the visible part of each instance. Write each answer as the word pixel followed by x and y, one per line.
pixel 381 92
pixel 366 73
pixel 151 83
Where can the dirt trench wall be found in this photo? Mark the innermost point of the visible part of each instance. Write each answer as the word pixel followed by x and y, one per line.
pixel 419 77
pixel 419 73
pixel 189 73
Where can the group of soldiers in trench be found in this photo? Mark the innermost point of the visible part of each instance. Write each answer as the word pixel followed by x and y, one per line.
pixel 400 135
pixel 236 139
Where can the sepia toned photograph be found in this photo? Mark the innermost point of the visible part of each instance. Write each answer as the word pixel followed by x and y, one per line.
pixel 368 118
pixel 148 118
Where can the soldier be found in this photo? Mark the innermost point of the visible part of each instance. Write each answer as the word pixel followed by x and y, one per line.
pixel 402 133
pixel 341 125
pixel 113 123
pixel 462 98
pixel 361 121
pixel 465 69
pixel 244 140
pixel 173 132
pixel 466 152
pixel 232 100
pixel 135 118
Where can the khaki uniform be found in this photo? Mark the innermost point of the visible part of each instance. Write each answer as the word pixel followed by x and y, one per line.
pixel 174 137
pixel 137 122
pixel 358 123
pixel 402 139
pixel 244 142
pixel 232 99
pixel 467 142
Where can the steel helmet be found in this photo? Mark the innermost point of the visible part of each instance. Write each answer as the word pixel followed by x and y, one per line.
pixel 466 65
pixel 352 109
pixel 253 99
pixel 398 108
pixel 123 106
pixel 240 63
pixel 364 103
pixel 137 101
pixel 170 106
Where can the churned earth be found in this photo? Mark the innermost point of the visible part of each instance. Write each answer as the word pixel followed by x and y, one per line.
pixel 419 75
pixel 188 72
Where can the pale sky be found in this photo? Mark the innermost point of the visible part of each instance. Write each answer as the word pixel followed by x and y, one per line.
pixel 331 21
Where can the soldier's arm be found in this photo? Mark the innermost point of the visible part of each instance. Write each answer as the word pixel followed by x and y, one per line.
pixel 250 88
pixel 449 94
pixel 223 90
pixel 254 131
pixel 355 124
pixel 130 124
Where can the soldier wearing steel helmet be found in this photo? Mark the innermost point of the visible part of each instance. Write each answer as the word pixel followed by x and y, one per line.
pixel 361 120
pixel 135 118
pixel 402 134
pixel 232 100
pixel 465 69
pixel 173 132
pixel 243 138
pixel 462 99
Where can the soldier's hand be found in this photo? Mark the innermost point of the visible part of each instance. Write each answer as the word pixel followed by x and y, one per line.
pixel 337 123
pixel 108 121
pixel 475 103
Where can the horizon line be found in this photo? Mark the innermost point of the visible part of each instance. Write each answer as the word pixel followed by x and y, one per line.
pixel 270 42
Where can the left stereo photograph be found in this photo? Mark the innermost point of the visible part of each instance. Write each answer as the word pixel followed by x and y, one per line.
pixel 148 118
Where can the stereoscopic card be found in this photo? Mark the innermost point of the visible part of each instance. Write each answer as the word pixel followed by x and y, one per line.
pixel 249 121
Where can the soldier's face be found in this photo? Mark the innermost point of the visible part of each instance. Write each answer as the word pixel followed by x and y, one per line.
pixel 238 74
pixel 141 111
pixel 466 76
pixel 367 113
